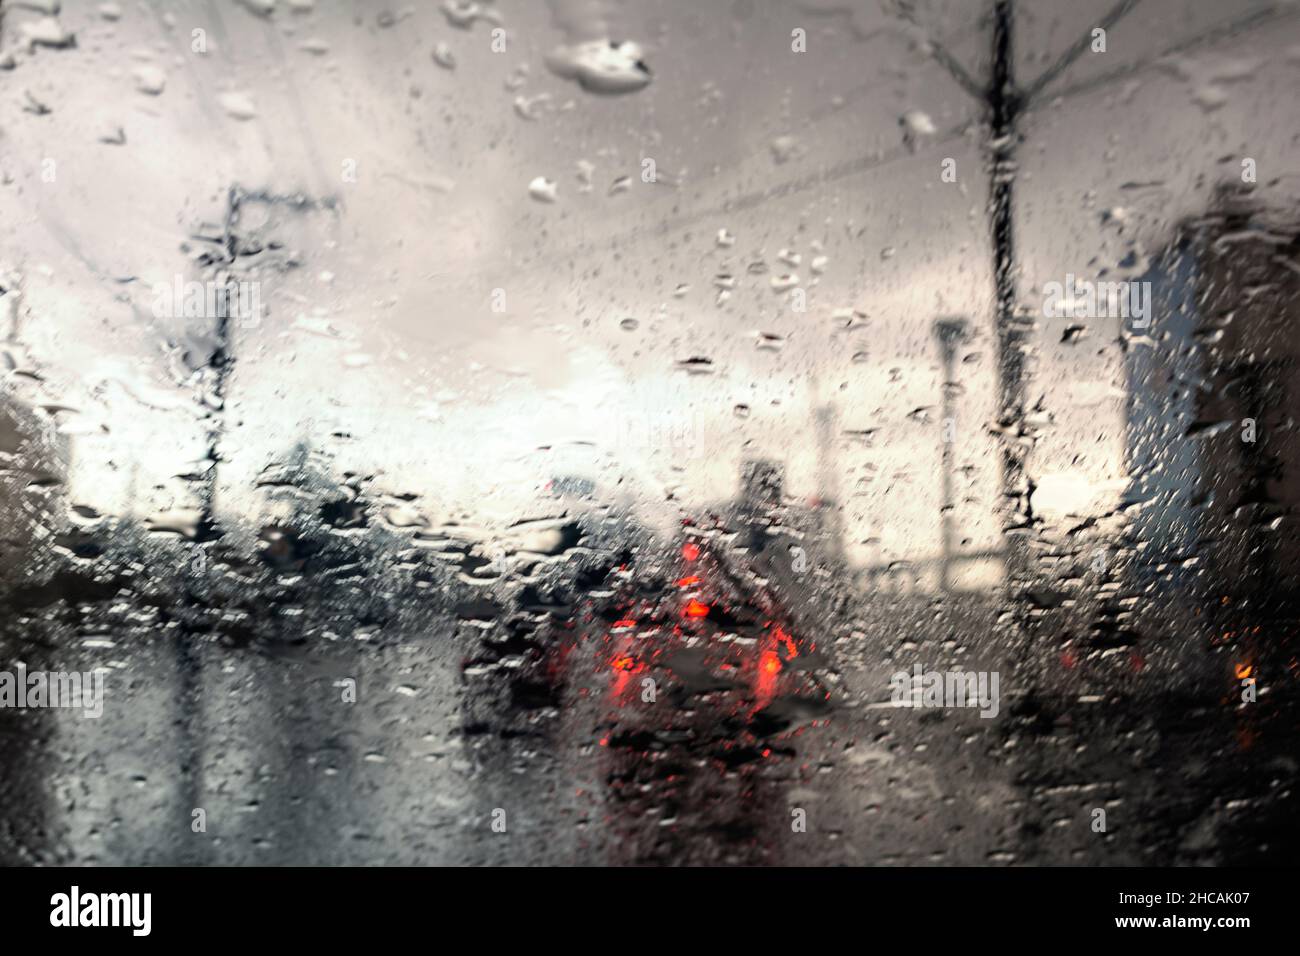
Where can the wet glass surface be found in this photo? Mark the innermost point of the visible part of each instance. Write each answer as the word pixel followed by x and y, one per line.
pixel 582 431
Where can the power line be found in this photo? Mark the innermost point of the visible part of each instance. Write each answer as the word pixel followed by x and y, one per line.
pixel 939 52
pixel 1220 31
pixel 871 162
pixel 1080 46
pixel 850 167
pixel 856 165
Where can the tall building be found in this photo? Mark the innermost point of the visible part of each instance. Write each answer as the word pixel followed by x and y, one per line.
pixel 1213 450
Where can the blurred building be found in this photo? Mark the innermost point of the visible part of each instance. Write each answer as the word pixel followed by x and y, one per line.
pixel 1213 450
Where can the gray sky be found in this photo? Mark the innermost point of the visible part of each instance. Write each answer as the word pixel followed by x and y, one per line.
pixel 822 165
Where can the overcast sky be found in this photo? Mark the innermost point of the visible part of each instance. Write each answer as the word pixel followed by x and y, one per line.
pixel 823 165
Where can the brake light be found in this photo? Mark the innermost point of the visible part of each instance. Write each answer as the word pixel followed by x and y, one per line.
pixel 696 608
pixel 770 664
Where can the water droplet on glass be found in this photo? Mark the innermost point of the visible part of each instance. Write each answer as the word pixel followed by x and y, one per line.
pixel 543 189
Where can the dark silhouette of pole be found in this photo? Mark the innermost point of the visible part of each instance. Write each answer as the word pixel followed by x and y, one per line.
pixel 1005 105
pixel 830 517
pixel 950 333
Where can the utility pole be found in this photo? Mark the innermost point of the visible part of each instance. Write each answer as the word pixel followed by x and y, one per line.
pixel 950 333
pixel 1005 104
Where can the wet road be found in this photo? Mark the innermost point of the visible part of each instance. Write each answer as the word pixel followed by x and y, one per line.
pixel 648 703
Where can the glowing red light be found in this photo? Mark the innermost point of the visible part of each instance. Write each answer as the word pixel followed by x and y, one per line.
pixel 791 651
pixel 688 581
pixel 770 664
pixel 626 622
pixel 690 551
pixel 624 662
pixel 696 608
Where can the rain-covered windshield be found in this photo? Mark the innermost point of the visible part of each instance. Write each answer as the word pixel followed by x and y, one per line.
pixel 648 431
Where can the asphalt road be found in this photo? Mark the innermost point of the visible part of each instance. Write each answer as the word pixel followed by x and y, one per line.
pixel 392 707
